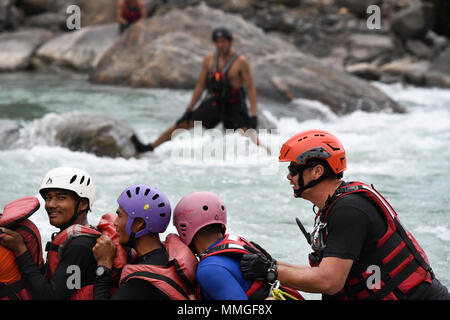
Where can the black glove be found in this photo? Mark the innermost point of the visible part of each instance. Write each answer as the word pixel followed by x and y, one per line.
pixel 258 265
pixel 253 122
pixel 186 117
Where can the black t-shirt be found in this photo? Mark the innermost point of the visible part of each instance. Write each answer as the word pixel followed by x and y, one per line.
pixel 353 226
pixel 77 252
pixel 133 289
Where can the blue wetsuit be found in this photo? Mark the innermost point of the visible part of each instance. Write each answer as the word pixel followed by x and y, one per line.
pixel 220 278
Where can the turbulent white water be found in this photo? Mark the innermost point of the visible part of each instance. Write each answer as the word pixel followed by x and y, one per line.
pixel 405 156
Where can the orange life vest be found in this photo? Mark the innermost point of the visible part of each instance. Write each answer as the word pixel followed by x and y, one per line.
pixel 15 217
pixel 176 279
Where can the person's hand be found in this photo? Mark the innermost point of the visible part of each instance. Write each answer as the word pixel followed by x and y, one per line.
pixel 104 251
pixel 253 122
pixel 256 264
pixel 12 241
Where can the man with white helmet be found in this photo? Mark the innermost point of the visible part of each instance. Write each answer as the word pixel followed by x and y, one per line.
pixel 69 194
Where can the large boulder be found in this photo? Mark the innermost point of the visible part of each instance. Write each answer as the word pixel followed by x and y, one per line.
pixel 80 50
pixel 17 48
pixel 167 51
pixel 77 131
pixel 439 74
pixel 40 6
pixel 413 22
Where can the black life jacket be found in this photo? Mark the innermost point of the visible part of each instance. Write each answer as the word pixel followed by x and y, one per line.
pixel 218 85
pixel 402 262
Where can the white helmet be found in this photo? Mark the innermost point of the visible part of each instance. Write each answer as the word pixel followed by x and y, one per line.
pixel 73 179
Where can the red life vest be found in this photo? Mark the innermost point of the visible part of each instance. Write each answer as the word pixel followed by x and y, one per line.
pixel 402 262
pixel 15 217
pixel 56 246
pixel 131 11
pixel 176 279
pixel 233 245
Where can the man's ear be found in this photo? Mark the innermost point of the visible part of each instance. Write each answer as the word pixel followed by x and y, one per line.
pixel 318 170
pixel 84 204
pixel 138 225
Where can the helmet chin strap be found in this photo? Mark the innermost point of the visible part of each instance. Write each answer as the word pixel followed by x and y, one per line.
pixel 298 192
pixel 74 216
pixel 131 239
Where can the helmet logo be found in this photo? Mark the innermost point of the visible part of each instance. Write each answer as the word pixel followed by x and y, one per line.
pixel 49 181
pixel 146 206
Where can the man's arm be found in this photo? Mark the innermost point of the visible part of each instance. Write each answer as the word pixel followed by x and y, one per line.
pixel 57 287
pixel 119 9
pixel 249 85
pixel 201 84
pixel 329 277
pixel 143 10
pixel 219 284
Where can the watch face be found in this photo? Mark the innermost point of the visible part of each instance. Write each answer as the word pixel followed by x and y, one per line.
pixel 271 276
pixel 100 270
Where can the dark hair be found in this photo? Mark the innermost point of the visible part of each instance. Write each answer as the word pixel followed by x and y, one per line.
pixel 328 172
pixel 211 228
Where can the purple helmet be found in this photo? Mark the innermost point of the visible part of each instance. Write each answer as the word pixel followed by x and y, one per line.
pixel 148 203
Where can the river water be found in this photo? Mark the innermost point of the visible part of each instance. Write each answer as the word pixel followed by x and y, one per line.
pixel 406 157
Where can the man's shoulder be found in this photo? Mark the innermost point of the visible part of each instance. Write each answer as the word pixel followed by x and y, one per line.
pixel 87 241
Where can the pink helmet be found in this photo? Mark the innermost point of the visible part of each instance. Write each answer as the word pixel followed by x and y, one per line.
pixel 197 210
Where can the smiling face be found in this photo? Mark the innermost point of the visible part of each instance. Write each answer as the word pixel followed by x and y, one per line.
pixel 60 205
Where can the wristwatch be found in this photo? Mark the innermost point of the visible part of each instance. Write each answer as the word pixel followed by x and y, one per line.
pixel 272 273
pixel 102 270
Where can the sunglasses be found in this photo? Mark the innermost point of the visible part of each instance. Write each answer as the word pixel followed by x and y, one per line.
pixel 294 169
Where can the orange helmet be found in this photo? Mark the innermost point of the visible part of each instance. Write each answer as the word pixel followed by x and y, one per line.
pixel 314 144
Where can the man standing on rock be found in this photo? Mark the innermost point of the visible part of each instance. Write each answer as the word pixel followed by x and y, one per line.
pixel 129 12
pixel 224 73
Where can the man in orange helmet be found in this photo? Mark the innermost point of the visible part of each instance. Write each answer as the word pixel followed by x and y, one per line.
pixel 360 249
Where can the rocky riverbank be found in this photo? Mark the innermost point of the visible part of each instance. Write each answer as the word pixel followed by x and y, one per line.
pixel 312 49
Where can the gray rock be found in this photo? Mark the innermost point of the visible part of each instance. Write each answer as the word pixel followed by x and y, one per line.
pixel 367 47
pixel 80 50
pixel 413 22
pixel 40 6
pixel 419 49
pixel 18 47
pixel 439 75
pixel 408 69
pixel 358 7
pixel 48 20
pixel 79 131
